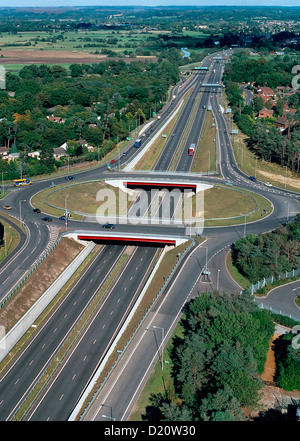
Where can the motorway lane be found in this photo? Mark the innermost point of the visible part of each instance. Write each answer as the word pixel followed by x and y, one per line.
pixel 118 395
pixel 27 368
pixel 165 159
pixel 185 161
pixel 269 223
pixel 61 396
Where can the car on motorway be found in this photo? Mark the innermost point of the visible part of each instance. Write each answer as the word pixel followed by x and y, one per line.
pixel 7 207
pixel 109 226
pixel 252 178
pixel 112 161
pixel 268 184
pixel 47 219
pixel 69 178
pixel 36 210
pixel 124 153
pixel 62 218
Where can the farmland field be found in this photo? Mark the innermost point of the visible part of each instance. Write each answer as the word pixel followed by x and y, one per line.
pixel 69 47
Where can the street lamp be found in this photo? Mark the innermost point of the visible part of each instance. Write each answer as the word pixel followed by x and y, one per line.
pixel 218 277
pixel 206 253
pixel 106 416
pixel 162 346
pixel 23 200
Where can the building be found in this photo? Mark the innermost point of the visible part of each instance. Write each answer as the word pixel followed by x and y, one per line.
pixel 3 152
pixel 59 152
pixel 56 119
pixel 282 123
pixel 264 113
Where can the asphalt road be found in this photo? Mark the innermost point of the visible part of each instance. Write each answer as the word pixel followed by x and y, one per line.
pixel 187 284
pixel 68 378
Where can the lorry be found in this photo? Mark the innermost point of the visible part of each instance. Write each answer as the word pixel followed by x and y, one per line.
pixel 192 150
pixel 138 143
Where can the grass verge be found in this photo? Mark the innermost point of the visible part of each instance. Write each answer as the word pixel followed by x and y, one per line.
pixel 160 381
pixel 235 274
pixel 205 157
pixel 11 240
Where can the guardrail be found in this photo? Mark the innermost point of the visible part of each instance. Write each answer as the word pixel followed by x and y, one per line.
pixel 268 280
pixel 43 257
pixel 17 332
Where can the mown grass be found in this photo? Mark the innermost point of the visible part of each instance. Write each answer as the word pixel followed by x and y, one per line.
pixel 205 157
pixel 11 240
pixel 160 381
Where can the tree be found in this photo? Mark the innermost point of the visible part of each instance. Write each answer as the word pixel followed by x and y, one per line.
pixel 221 406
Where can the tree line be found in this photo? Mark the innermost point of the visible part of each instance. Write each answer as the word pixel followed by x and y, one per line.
pixel 267 254
pixel 264 138
pixel 102 103
pixel 217 362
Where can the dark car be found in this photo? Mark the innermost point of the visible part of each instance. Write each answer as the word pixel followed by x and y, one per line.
pixel 36 210
pixel 69 178
pixel 47 219
pixel 124 153
pixel 62 218
pixel 252 178
pixel 109 226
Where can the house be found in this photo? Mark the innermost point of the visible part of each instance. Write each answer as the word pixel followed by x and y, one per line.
pixel 285 91
pixel 84 143
pixel 4 152
pixel 56 119
pixel 282 123
pixel 266 91
pixel 12 156
pixel 288 111
pixel 264 113
pixel 64 146
pixel 34 154
pixel 59 152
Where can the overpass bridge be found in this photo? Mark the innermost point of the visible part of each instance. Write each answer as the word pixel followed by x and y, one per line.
pixel 127 238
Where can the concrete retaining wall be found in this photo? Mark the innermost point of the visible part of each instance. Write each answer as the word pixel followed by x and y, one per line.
pixel 17 332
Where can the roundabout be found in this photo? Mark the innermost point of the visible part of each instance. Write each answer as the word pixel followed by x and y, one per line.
pixel 223 206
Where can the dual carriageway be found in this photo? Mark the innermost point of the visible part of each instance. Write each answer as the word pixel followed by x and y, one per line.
pixel 129 266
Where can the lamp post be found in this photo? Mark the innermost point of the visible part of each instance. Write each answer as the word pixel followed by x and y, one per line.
pixel 106 416
pixel 23 200
pixel 162 346
pixel 206 253
pixel 218 278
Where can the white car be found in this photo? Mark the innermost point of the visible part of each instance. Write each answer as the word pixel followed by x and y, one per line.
pixel 267 184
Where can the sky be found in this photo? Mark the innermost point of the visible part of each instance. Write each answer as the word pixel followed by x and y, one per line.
pixel 55 3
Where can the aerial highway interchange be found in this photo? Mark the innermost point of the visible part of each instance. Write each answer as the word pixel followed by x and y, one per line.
pixel 69 379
